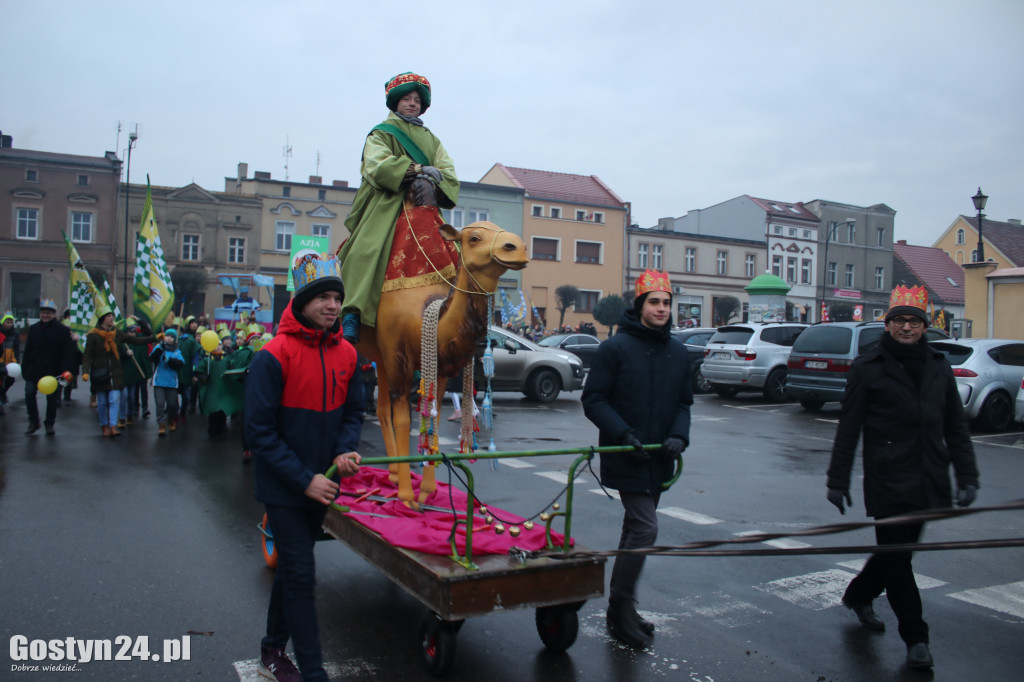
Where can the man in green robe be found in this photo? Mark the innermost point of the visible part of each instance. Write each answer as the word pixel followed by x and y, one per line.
pixel 396 151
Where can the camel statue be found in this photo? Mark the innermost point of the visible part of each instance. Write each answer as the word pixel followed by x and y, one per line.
pixel 487 252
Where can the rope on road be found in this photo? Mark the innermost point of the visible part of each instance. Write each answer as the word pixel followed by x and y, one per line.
pixel 701 548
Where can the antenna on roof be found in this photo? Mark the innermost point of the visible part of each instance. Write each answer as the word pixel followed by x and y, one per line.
pixel 287 152
pixel 318 163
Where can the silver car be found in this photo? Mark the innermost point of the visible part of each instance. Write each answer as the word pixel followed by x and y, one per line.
pixel 988 375
pixel 539 373
pixel 750 356
pixel 1019 412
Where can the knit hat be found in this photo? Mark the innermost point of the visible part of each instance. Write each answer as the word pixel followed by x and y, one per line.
pixel 908 301
pixel 7 316
pixel 404 83
pixel 172 332
pixel 314 273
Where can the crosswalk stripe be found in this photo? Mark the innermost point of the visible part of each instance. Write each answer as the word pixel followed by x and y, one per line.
pixel 1008 599
pixel 690 516
pixel 247 670
pixel 817 591
pixel 601 491
pixel 923 581
pixel 780 543
pixel 515 463
pixel 559 476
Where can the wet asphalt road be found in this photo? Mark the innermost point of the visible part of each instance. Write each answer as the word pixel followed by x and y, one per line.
pixel 156 537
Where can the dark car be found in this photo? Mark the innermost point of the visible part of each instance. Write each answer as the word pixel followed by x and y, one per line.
pixel 822 356
pixel 695 339
pixel 583 346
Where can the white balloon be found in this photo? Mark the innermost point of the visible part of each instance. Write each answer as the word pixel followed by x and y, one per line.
pixel 13 370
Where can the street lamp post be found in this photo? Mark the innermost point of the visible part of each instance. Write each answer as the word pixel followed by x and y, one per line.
pixel 132 137
pixel 828 236
pixel 979 200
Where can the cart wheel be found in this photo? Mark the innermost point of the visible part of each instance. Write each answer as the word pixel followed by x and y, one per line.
pixel 437 644
pixel 558 626
pixel 269 548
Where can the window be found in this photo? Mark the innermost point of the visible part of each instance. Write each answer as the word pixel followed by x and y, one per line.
pixel 807 234
pixel 852 232
pixel 581 215
pixel 321 194
pixel 81 227
pixel 26 289
pixel 586 300
pixel 656 253
pixel 83 180
pixel 974 255
pixel 691 259
pixel 556 212
pixel 537 211
pixel 791 269
pixel 641 255
pixel 830 274
pixel 751 265
pixel 544 249
pixel 777 228
pixel 792 232
pixel 28 223
pixel 321 230
pixel 879 278
pixel 877 313
pixel 190 247
pixel 236 250
pixel 283 231
pixel 588 252
pixel 849 274
pixel 598 217
pixel 722 262
pixel 961 236
pixel 805 271
pixel 32 175
pixel 286 191
pixel 777 266
pixel 880 236
pixel 476 215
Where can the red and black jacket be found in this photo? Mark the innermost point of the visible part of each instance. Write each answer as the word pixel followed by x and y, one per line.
pixel 303 406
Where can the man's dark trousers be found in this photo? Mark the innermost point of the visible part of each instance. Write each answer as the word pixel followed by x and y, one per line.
pixel 52 403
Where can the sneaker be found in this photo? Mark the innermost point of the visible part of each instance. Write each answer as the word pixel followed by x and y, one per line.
pixel 275 665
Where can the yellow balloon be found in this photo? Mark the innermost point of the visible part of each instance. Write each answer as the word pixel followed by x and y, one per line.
pixel 47 385
pixel 209 340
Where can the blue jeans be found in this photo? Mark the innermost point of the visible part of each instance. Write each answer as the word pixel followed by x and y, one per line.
pixel 107 403
pixel 292 611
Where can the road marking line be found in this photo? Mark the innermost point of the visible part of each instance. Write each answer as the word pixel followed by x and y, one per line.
pixel 689 516
pixel 730 613
pixel 559 476
pixel 515 463
pixel 1008 599
pixel 600 491
pixel 780 543
pixel 247 670
pixel 816 591
pixel 923 581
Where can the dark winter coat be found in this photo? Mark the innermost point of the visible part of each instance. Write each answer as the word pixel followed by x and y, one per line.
pixel 97 358
pixel 911 434
pixel 49 351
pixel 303 407
pixel 639 381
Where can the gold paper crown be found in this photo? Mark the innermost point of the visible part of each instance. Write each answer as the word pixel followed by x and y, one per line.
pixel 652 280
pixel 914 297
pixel 310 266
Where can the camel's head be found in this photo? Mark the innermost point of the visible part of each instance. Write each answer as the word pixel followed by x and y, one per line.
pixel 484 243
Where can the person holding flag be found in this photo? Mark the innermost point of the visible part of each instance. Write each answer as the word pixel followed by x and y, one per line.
pixel 102 368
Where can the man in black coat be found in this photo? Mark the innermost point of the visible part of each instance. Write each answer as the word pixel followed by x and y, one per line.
pixel 639 392
pixel 48 352
pixel 901 395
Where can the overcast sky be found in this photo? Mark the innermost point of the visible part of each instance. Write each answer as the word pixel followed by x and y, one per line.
pixel 675 105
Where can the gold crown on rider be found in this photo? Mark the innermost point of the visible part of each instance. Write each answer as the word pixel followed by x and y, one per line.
pixel 652 280
pixel 310 267
pixel 908 301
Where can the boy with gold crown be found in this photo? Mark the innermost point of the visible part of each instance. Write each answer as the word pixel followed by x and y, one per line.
pixel 639 392
pixel 902 397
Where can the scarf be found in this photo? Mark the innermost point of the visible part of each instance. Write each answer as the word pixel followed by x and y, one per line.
pixel 109 343
pixel 911 357
pixel 414 120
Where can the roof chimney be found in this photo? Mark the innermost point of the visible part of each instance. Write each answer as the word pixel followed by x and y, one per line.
pixel 261 175
pixel 6 141
pixel 243 171
pixel 316 180
pixel 340 183
pixel 902 242
pixel 1012 221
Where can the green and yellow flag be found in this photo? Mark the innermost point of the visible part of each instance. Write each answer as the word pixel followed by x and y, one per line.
pixel 87 302
pixel 154 292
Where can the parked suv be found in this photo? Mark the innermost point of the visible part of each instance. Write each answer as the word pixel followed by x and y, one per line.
pixel 750 357
pixel 822 356
pixel 538 372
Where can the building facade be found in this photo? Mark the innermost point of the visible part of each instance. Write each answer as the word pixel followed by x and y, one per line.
pixel 574 227
pixel 44 195
pixel 1003 241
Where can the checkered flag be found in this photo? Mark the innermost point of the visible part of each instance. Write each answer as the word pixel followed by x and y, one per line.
pixel 154 291
pixel 86 304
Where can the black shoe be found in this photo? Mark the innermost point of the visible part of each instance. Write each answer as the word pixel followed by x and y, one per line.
pixel 645 625
pixel 50 431
pixel 866 614
pixel 32 428
pixel 145 414
pixel 350 327
pixel 624 625
pixel 918 655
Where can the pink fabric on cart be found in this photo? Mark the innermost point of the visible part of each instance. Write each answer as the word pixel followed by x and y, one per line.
pixel 429 531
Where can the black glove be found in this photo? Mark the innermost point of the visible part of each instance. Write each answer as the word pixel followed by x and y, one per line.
pixel 835 496
pixel 638 454
pixel 966 495
pixel 673 447
pixel 433 173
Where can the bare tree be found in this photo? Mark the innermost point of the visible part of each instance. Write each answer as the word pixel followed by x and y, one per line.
pixel 566 296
